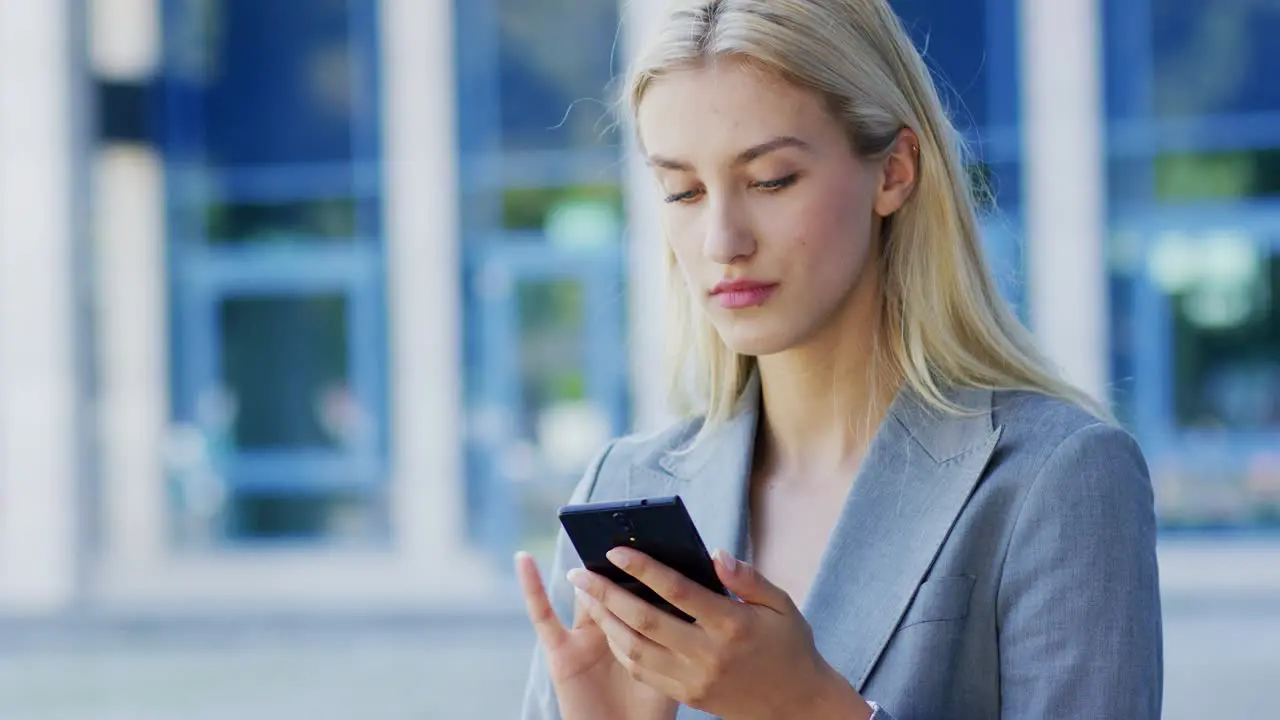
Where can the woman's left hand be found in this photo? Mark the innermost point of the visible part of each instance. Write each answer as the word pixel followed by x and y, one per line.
pixel 739 661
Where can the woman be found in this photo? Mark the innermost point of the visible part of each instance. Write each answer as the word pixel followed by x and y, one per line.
pixel 929 523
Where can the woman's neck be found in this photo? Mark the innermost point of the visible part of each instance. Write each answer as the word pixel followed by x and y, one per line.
pixel 821 403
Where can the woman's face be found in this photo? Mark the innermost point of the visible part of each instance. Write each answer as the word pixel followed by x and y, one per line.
pixel 769 211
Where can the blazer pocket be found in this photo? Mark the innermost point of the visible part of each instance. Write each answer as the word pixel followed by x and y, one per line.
pixel 944 598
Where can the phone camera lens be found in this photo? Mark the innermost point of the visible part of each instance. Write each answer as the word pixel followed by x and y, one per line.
pixel 624 521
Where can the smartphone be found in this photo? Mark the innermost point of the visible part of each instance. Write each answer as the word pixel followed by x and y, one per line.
pixel 658 527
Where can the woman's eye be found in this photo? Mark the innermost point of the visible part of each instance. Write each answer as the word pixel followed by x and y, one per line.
pixel 686 196
pixel 767 185
pixel 779 183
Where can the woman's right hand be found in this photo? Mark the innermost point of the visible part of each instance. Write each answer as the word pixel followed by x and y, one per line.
pixel 589 682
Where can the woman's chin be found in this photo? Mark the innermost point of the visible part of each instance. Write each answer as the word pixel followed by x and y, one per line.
pixel 756 341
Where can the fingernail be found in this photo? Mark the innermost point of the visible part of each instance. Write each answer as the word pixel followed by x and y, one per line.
pixel 619 557
pixel 578 578
pixel 729 562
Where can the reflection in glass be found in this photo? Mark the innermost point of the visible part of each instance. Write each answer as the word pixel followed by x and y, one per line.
pixel 561 427
pixel 542 141
pixel 285 364
pixel 331 516
pixel 269 116
pixel 1226 331
pixel 282 86
pixel 551 343
pixel 1214 57
pixel 528 208
pixel 556 61
pixel 1184 177
pixel 953 37
pixel 333 220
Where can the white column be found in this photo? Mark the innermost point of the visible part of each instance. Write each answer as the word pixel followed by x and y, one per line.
pixel 1065 185
pixel 133 357
pixel 430 563
pixel 124 38
pixel 647 272
pixel 128 239
pixel 424 290
pixel 37 381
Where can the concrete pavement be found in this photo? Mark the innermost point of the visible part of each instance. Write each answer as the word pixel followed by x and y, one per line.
pixel 1222 661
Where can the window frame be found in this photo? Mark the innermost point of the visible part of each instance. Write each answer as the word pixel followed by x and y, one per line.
pixel 1136 136
pixel 201 275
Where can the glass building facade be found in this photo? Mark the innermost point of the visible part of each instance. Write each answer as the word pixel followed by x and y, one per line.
pixel 271 150
pixel 1193 161
pixel 268 125
pixel 360 288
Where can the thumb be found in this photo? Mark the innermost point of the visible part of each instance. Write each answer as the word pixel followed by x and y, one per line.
pixel 748 584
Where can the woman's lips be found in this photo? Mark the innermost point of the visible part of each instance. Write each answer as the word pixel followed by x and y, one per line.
pixel 742 294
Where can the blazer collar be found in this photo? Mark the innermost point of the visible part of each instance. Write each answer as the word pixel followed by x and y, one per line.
pixel 728 450
pixel 919 472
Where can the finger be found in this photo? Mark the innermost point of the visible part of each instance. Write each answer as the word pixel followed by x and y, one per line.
pixel 749 585
pixel 551 632
pixel 644 659
pixel 657 625
pixel 581 618
pixel 675 588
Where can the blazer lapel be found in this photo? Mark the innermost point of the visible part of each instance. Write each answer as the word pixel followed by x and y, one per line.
pixel 918 474
pixel 711 477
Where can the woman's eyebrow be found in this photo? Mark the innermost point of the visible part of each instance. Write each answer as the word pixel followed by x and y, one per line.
pixel 752 153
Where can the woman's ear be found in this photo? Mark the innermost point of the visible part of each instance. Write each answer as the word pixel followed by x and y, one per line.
pixel 898 173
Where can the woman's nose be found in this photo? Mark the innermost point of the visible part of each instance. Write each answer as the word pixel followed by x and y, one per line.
pixel 729 239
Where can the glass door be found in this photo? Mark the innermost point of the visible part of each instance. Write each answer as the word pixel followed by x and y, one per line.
pixel 269 133
pixel 543 258
pixel 552 384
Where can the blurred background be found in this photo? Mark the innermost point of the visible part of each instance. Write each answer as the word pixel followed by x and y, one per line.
pixel 312 311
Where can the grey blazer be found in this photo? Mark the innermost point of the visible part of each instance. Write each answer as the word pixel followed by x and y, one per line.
pixel 999 564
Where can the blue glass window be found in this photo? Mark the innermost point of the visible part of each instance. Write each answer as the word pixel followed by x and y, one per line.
pixel 971 48
pixel 955 42
pixel 1214 58
pixel 556 64
pixel 269 127
pixel 1194 185
pixel 285 86
pixel 543 255
pixel 286 362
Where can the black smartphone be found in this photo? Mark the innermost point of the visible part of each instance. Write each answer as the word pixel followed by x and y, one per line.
pixel 658 527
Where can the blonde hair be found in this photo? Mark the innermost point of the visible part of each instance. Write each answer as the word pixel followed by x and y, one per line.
pixel 945 321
